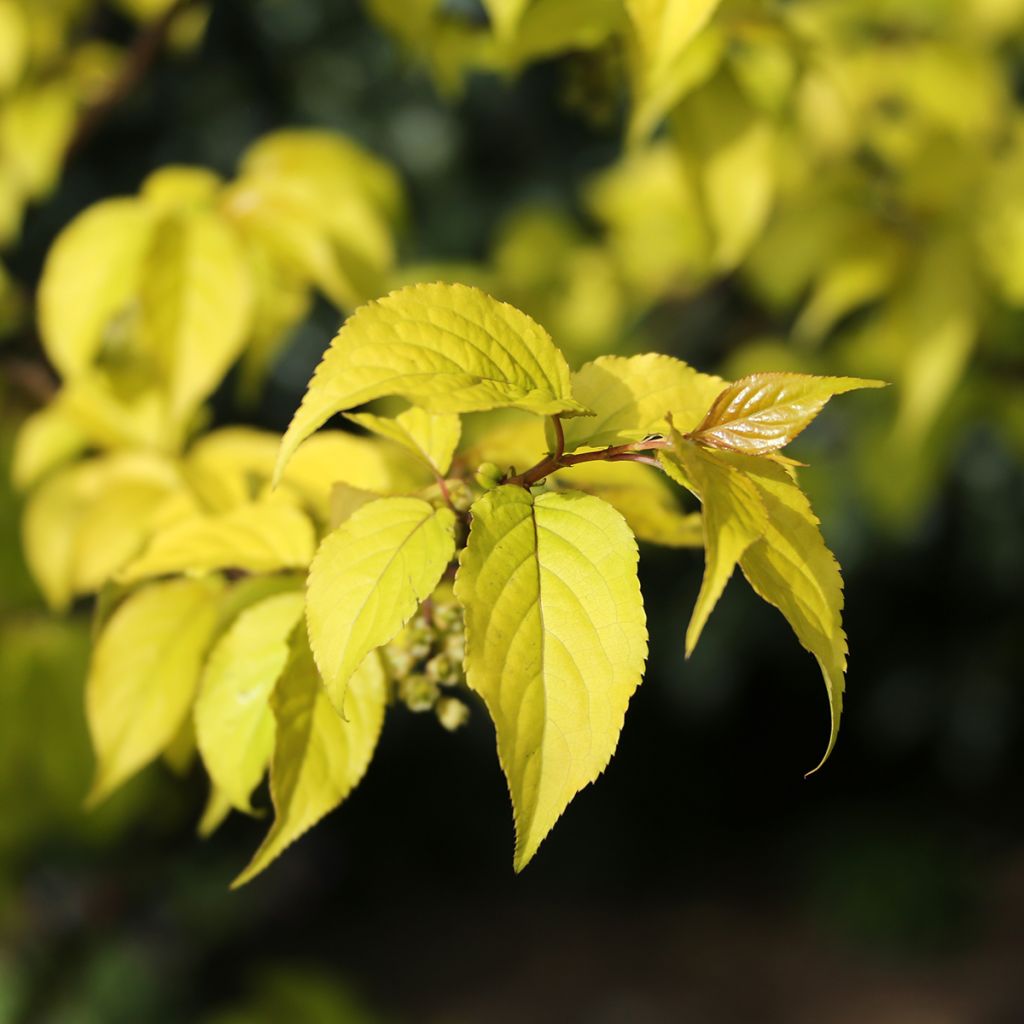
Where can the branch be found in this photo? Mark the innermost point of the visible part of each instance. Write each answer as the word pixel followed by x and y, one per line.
pixel 143 54
pixel 632 452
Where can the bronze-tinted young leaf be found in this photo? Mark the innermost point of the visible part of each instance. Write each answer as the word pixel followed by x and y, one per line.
pixel 765 411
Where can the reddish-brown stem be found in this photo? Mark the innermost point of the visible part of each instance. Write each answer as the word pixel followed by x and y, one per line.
pixel 632 452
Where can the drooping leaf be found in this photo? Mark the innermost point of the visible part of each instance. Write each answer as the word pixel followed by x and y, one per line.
pixel 367 580
pixel 642 496
pixel 432 437
pixel 632 395
pixel 263 536
pixel 319 758
pixel 755 514
pixel 446 348
pixel 234 723
pixel 556 642
pixel 765 411
pixel 91 273
pixel 734 518
pixel 793 569
pixel 143 675
pixel 196 304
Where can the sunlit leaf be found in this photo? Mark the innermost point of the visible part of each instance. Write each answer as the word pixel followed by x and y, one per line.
pixel 432 437
pixel 632 396
pixel 263 536
pixel 734 517
pixel 234 723
pixel 556 642
pixel 319 758
pixel 143 675
pixel 367 580
pixel 765 411
pixel 91 274
pixel 446 348
pixel 196 304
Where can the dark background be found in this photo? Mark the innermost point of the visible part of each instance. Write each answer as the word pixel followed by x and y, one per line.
pixel 702 878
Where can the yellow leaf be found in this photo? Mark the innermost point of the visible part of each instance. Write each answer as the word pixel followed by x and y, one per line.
pixel 765 411
pixel 367 580
pixel 217 808
pixel 234 723
pixel 264 536
pixel 174 188
pixel 732 150
pixel 556 642
pixel 432 437
pixel 755 514
pixel 446 348
pixel 319 758
pixel 143 675
pixel 664 31
pixel 91 275
pixel 46 439
pixel 35 127
pixel 734 518
pixel 326 165
pixel 196 305
pixel 792 569
pixel 632 395
pixel 505 16
pixel 642 497
pixel 14 44
pixel 84 522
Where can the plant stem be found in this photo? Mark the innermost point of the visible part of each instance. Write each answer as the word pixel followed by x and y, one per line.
pixel 635 451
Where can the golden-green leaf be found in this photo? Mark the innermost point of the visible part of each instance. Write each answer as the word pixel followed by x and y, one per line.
pixel 765 411
pixel 663 69
pixel 319 758
pixel 556 642
pixel 46 439
pixel 14 44
pixel 143 675
pixel 234 723
pixel 367 580
pixel 642 496
pixel 446 348
pixel 84 522
pixel 756 515
pixel 632 395
pixel 432 437
pixel 263 536
pixel 734 518
pixel 196 304
pixel 90 276
pixel 792 569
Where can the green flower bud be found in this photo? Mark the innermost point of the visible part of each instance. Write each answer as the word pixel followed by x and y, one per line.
pixel 451 713
pixel 417 692
pixel 488 476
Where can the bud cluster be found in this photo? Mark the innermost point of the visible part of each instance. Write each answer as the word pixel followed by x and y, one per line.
pixel 424 662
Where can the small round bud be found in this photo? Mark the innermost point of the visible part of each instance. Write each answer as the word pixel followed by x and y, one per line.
pixel 441 669
pixel 455 647
pixel 488 475
pixel 451 713
pixel 417 692
pixel 398 661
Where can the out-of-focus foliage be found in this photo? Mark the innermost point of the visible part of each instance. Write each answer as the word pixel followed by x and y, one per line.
pixel 853 167
pixel 52 75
